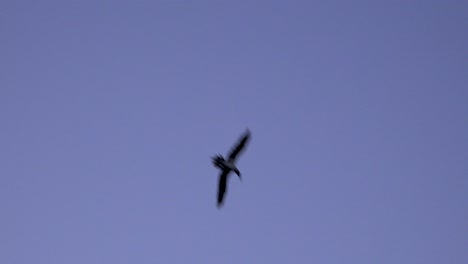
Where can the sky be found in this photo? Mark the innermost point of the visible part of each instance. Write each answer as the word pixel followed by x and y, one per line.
pixel 110 111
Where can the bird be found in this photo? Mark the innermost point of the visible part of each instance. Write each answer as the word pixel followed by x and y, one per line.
pixel 226 166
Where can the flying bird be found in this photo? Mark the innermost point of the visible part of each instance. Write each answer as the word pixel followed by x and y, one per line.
pixel 226 166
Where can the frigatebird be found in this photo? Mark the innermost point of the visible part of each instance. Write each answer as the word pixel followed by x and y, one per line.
pixel 226 166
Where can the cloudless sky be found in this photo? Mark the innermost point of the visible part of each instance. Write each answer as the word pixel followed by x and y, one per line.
pixel 110 110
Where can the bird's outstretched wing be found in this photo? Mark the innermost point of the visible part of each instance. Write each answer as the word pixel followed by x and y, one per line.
pixel 240 145
pixel 222 186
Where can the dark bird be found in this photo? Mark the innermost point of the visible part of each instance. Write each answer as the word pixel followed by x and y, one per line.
pixel 226 166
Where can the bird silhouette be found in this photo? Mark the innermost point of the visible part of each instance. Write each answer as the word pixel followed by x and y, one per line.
pixel 226 166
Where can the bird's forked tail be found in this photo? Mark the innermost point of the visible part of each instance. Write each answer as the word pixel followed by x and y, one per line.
pixel 217 161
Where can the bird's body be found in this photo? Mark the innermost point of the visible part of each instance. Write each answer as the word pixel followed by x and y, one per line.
pixel 226 166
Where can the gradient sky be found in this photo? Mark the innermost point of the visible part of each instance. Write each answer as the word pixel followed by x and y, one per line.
pixel 110 111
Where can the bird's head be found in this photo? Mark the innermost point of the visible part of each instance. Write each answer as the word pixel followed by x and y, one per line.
pixel 238 173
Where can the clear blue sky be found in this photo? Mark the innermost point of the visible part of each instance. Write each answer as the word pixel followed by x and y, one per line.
pixel 110 111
